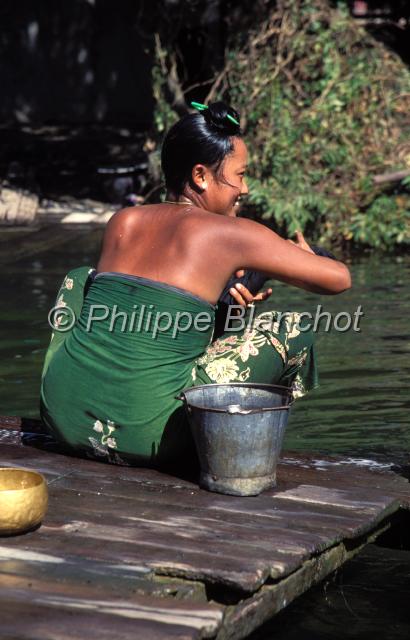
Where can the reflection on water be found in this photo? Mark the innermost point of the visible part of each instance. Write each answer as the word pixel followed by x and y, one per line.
pixel 361 408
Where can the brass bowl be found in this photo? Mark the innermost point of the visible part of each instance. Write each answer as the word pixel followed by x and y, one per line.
pixel 23 500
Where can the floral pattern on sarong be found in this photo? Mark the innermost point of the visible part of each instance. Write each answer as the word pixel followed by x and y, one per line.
pixel 285 324
pixel 106 444
pixel 299 359
pixel 223 359
pixel 57 320
pixel 280 348
pixel 298 388
pixel 222 370
pixel 68 283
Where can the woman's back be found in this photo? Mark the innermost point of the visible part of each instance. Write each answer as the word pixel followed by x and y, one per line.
pixel 197 250
pixel 171 244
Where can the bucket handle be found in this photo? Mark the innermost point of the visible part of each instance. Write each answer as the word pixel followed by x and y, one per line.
pixel 181 396
pixel 244 412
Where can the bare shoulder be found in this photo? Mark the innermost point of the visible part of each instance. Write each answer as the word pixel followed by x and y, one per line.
pixel 236 230
pixel 124 218
pixel 192 223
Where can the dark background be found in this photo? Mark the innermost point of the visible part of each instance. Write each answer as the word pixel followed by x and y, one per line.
pixel 76 93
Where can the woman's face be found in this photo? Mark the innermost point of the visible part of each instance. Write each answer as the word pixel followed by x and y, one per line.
pixel 224 189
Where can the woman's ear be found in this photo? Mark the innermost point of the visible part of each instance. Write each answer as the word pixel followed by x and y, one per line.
pixel 200 177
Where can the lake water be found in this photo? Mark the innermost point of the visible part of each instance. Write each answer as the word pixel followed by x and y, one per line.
pixel 361 409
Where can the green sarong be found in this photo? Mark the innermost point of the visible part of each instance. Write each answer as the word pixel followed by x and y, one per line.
pixel 110 382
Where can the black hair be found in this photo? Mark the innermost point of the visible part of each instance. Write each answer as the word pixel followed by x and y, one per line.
pixel 203 137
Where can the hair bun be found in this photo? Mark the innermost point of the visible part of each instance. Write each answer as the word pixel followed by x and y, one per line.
pixel 216 116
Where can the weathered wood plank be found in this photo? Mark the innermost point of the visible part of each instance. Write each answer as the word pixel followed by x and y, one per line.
pixel 312 517
pixel 56 619
pixel 169 513
pixel 21 424
pixel 104 477
pixel 218 554
pixel 297 468
pixel 205 618
pixel 292 470
pixel 37 451
pixel 246 616
pixel 303 542
pixel 120 579
pixel 170 560
pixel 338 472
pixel 116 534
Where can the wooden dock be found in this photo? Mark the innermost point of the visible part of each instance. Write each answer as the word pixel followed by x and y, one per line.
pixel 127 552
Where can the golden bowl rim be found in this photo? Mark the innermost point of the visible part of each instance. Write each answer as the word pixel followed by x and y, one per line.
pixel 31 471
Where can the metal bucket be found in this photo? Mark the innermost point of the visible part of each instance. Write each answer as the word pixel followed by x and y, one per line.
pixel 238 431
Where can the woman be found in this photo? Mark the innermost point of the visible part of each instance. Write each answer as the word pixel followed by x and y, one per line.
pixel 109 390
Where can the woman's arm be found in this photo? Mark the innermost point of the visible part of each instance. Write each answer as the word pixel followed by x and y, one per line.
pixel 254 246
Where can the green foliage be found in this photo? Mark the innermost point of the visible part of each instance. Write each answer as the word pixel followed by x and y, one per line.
pixel 164 115
pixel 385 223
pixel 326 108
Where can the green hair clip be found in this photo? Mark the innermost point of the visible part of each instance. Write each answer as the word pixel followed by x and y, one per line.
pixel 201 107
pixel 232 119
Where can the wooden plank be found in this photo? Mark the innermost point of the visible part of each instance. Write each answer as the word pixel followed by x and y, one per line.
pixel 21 424
pixel 113 536
pixel 244 617
pixel 216 551
pixel 49 618
pixel 102 477
pixel 248 614
pixel 92 476
pixel 135 490
pixel 37 450
pixel 169 560
pixel 293 470
pixel 85 476
pixel 170 513
pixel 76 482
pixel 204 618
pixel 351 499
pixel 336 471
pixel 120 579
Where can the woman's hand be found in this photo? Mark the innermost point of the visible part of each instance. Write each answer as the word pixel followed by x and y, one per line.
pixel 301 242
pixel 243 296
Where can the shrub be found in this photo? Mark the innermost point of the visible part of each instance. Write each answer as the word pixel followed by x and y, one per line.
pixel 326 108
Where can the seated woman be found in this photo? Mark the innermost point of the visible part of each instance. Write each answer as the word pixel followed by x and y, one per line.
pixel 145 317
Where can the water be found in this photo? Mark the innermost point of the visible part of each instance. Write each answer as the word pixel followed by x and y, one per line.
pixel 28 287
pixel 367 599
pixel 361 408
